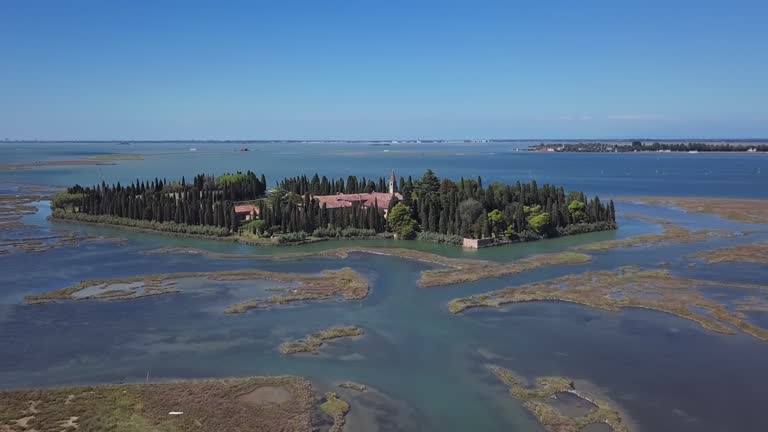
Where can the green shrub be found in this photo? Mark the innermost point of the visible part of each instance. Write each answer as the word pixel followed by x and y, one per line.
pixel 440 238
pixel 172 227
pixel 293 237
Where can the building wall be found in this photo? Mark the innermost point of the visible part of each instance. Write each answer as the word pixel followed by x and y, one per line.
pixel 477 243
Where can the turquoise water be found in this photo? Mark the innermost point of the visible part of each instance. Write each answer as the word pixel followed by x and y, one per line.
pixel 428 366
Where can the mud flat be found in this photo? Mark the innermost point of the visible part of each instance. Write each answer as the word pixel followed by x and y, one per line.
pixel 473 270
pixel 54 163
pixel 558 405
pixel 18 237
pixel 671 234
pixel 459 270
pixel 117 157
pixel 282 403
pixel 353 386
pixel 756 253
pixel 632 287
pixel 742 210
pixel 313 342
pixel 344 283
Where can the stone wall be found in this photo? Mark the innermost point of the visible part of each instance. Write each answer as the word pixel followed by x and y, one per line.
pixel 477 243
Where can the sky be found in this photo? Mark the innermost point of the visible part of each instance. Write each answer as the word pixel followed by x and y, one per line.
pixel 383 69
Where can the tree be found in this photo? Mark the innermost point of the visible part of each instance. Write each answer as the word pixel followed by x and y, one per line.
pixel 577 210
pixel 539 222
pixel 496 222
pixel 428 183
pixel 401 223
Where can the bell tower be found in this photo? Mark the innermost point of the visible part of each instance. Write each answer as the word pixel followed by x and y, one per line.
pixel 392 183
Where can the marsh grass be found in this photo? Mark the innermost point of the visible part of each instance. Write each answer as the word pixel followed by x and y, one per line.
pixel 344 283
pixel 631 287
pixel 313 342
pixel 539 400
pixel 756 253
pixel 206 406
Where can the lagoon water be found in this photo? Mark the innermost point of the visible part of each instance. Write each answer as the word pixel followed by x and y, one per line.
pixel 427 366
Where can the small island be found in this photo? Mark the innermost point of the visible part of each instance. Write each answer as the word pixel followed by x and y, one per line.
pixel 344 283
pixel 558 405
pixel 313 342
pixel 239 207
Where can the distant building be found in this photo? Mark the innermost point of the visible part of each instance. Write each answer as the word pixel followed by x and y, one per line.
pixel 364 200
pixel 246 212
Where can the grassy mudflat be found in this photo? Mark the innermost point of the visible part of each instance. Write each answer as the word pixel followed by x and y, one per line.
pixel 743 210
pixel 540 400
pixel 283 403
pixel 18 237
pixel 671 234
pixel 632 287
pixel 756 253
pixel 117 157
pixel 462 270
pixel 313 342
pixel 345 283
pixel 459 270
pixel 53 163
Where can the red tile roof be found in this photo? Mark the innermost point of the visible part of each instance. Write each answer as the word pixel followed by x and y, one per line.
pixel 365 200
pixel 246 208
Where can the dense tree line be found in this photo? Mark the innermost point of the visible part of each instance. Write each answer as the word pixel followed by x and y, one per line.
pixel 204 201
pixel 301 185
pixel 466 208
pixel 285 211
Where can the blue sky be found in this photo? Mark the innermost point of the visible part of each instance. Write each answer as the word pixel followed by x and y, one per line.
pixel 363 69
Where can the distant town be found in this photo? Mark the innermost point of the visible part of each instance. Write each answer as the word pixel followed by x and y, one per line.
pixel 640 146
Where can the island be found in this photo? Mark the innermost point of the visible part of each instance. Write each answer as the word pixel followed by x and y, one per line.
pixel 344 283
pixel 313 342
pixel 559 406
pixel 301 209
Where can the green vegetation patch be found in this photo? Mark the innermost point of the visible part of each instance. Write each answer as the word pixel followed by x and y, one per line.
pixel 337 408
